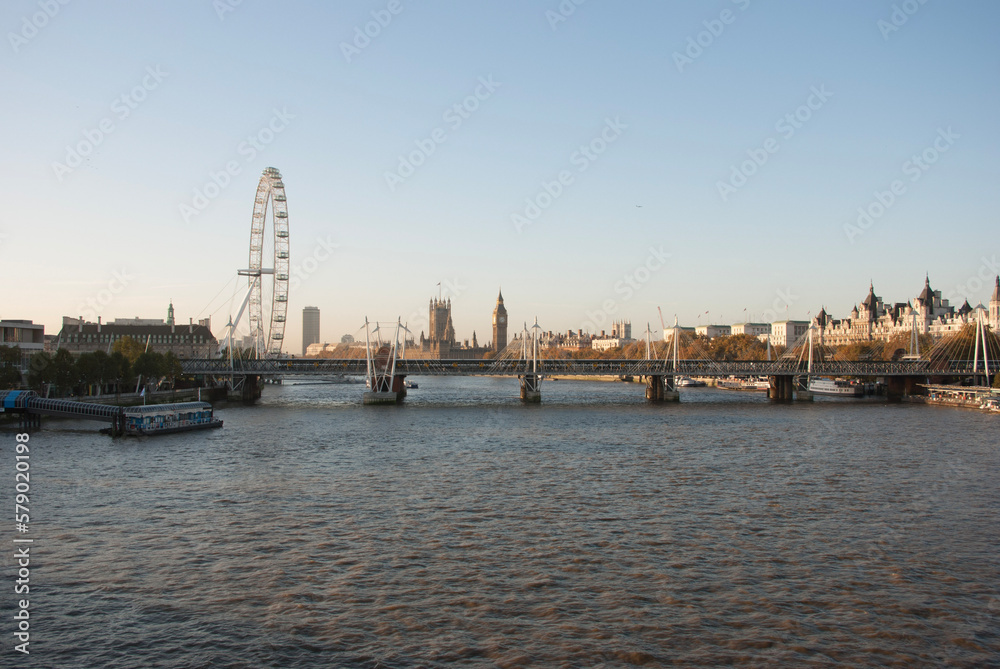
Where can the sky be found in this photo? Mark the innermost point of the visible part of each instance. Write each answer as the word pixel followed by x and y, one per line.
pixel 723 161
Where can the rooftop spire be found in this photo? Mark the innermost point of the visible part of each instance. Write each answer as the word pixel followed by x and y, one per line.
pixel 927 295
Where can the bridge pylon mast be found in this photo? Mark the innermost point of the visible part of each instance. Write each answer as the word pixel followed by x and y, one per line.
pixel 385 385
pixel 981 343
pixel 663 388
pixel 531 391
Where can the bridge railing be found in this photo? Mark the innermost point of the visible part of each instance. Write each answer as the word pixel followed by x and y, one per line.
pixel 589 367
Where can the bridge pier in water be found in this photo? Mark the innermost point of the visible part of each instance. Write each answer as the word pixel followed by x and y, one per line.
pixel 387 390
pixel 661 389
pixel 781 388
pixel 531 388
pixel 29 421
pixel 385 385
pixel 784 389
pixel 897 386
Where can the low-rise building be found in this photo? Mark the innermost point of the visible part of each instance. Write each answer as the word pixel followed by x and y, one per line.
pixel 682 332
pixel 713 331
pixel 25 335
pixel 185 341
pixel 753 329
pixel 568 341
pixel 607 343
pixel 786 333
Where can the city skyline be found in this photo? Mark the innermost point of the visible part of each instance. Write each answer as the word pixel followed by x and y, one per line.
pixel 592 327
pixel 658 157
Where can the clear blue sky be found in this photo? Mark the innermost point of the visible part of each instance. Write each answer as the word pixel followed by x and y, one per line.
pixel 677 129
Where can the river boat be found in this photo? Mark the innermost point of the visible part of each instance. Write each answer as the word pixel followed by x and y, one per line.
pixel 688 382
pixel 743 383
pixel 836 387
pixel 155 419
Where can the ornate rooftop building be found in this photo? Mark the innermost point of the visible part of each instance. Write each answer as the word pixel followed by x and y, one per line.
pixel 928 313
pixel 441 344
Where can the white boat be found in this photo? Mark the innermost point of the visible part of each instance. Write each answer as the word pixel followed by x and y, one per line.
pixel 838 387
pixel 738 383
pixel 688 382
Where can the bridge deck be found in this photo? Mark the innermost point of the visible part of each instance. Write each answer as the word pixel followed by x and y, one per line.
pixel 550 367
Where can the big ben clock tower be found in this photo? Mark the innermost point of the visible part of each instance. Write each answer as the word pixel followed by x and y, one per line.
pixel 499 325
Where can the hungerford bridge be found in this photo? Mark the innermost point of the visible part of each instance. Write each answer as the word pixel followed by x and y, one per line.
pixel 386 366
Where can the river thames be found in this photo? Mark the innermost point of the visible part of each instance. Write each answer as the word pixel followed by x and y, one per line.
pixel 463 528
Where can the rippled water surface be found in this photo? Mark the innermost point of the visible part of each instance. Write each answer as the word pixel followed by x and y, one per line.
pixel 463 528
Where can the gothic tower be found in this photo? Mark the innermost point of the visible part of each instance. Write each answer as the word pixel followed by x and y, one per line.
pixel 442 331
pixel 499 325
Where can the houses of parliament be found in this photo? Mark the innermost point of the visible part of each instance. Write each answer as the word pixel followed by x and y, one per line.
pixel 440 343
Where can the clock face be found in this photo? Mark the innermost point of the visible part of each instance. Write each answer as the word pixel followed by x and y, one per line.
pixel 502 319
